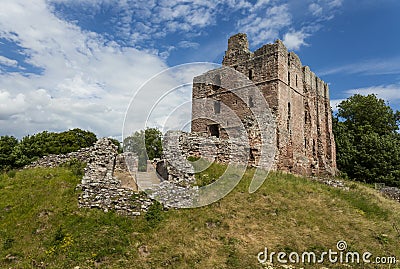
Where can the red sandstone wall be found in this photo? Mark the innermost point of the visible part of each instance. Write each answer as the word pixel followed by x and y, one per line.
pixel 297 97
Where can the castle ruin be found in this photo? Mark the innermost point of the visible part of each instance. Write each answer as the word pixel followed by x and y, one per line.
pixel 297 98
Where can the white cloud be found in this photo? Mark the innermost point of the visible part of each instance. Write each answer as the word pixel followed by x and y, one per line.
pixel 8 62
pixel 262 29
pixel 315 9
pixel 324 10
pixel 85 83
pixel 335 103
pixel 87 78
pixel 390 93
pixel 335 3
pixel 188 44
pixel 10 105
pixel 260 4
pixel 140 23
pixel 368 67
pixel 294 40
pixel 268 21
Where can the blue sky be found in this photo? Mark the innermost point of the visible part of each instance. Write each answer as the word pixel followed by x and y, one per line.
pixel 67 64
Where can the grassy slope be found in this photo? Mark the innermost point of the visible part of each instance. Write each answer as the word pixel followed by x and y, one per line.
pixel 40 225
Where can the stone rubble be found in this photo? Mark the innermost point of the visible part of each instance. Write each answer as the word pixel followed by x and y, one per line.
pixel 172 195
pixel 331 182
pixel 391 192
pixel 53 160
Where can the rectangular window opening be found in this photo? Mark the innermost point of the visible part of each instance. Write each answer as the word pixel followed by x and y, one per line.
pixel 313 148
pixel 217 107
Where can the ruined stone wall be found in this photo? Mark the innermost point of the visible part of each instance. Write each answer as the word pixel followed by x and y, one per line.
pixel 54 160
pixel 298 99
pixel 109 182
pixel 178 189
pixel 102 189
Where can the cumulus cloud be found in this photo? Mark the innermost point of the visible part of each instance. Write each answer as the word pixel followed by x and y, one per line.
pixel 294 40
pixel 268 21
pixel 86 78
pixel 86 82
pixel 10 105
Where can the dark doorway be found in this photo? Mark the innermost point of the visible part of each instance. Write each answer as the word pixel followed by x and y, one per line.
pixel 252 156
pixel 214 130
pixel 161 170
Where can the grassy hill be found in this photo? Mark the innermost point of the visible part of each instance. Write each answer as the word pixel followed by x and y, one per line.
pixel 42 227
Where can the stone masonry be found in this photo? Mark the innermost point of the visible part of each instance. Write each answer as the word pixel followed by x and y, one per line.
pixel 297 98
pixel 109 182
pixel 101 189
pixel 54 160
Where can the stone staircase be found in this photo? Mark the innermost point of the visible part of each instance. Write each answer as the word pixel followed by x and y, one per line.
pixel 148 179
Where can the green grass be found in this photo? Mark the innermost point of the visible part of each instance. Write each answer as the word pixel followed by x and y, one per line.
pixel 41 225
pixel 212 172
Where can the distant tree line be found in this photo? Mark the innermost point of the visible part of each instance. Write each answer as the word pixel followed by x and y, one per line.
pixel 367 140
pixel 16 153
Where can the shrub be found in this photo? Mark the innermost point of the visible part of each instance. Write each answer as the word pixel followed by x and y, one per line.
pixel 154 214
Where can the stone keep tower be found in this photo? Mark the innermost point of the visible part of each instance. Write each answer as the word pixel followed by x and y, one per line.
pixel 298 99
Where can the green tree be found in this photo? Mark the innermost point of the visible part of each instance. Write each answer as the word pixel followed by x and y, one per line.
pixel 73 140
pixel 146 144
pixel 153 143
pixel 367 141
pixel 117 143
pixel 33 147
pixel 7 144
pixel 369 114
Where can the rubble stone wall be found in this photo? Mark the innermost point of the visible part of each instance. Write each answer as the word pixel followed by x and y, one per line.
pixel 107 183
pixel 101 189
pixel 391 192
pixel 53 160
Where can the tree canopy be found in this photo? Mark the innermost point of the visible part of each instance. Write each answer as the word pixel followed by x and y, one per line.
pixel 146 144
pixel 367 141
pixel 14 153
pixel 7 159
